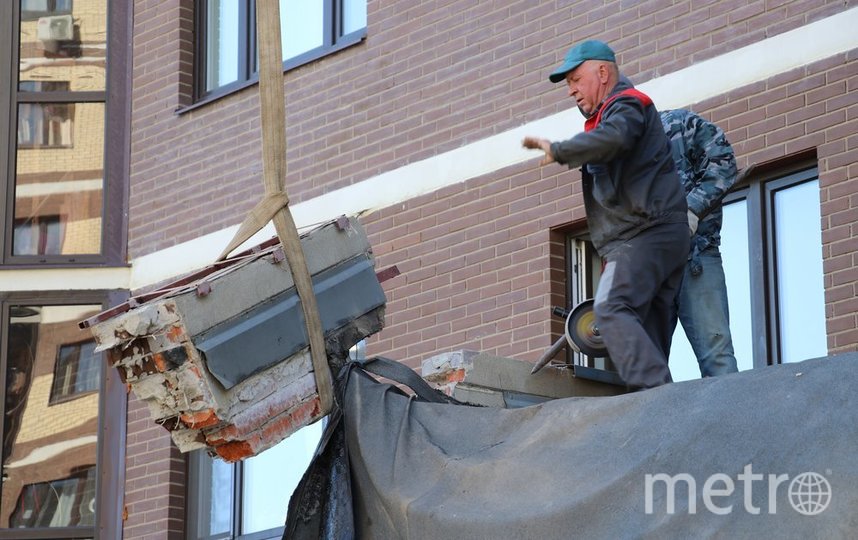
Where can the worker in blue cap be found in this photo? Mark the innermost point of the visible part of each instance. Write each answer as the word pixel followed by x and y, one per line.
pixel 636 210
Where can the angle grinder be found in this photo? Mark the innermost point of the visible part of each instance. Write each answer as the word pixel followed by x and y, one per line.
pixel 582 333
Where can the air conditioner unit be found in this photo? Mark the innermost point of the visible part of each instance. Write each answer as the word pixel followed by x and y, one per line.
pixel 56 28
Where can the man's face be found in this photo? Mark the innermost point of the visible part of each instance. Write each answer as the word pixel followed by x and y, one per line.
pixel 586 85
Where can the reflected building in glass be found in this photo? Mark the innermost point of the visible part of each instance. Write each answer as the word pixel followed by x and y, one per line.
pixel 59 175
pixel 51 419
pixel 53 376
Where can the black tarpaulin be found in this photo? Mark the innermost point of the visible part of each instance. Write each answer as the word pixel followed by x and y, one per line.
pixel 766 453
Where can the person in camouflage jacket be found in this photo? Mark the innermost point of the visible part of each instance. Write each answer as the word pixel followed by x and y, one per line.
pixel 707 168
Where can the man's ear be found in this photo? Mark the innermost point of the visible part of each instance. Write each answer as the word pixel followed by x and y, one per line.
pixel 604 73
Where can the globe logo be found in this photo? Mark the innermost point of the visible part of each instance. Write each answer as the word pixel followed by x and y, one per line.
pixel 809 493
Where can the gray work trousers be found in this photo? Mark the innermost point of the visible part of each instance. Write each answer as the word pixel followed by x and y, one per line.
pixel 635 302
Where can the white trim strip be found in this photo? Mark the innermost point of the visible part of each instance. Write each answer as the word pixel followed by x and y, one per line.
pixel 753 63
pixel 55 188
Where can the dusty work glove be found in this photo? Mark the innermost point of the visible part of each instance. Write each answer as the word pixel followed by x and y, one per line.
pixel 692 222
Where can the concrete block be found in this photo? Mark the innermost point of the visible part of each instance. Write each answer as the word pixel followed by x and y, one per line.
pixel 484 379
pixel 156 342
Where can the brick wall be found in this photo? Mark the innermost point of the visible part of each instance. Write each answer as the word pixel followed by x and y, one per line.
pixel 480 270
pixel 154 480
pixel 814 108
pixel 457 72
pixel 482 261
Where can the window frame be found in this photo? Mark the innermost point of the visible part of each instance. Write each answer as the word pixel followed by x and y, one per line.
pixel 112 410
pixel 199 496
pixel 581 286
pixel 333 40
pixel 116 154
pixel 78 473
pixel 58 395
pixel 199 488
pixel 759 191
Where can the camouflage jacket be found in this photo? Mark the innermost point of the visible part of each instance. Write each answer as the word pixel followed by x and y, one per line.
pixel 707 167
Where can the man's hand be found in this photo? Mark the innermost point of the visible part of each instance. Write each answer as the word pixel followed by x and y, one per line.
pixel 692 222
pixel 535 143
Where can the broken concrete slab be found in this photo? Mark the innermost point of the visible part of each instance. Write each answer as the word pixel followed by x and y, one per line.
pixel 496 381
pixel 221 357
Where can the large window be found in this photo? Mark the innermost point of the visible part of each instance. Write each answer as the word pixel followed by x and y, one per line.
pixel 62 195
pixel 226 49
pixel 771 249
pixel 60 451
pixel 777 305
pixel 247 500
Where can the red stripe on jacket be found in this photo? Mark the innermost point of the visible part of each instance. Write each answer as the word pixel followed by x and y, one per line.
pixel 594 120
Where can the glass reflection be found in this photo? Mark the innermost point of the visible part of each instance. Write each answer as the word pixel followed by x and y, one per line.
pixel 354 15
pixel 801 294
pixel 64 41
pixel 51 419
pixel 735 255
pixel 265 496
pixel 60 181
pixel 736 262
pixel 222 47
pixel 219 511
pixel 301 26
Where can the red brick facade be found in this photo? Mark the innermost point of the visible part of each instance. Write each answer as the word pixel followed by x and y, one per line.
pixel 481 261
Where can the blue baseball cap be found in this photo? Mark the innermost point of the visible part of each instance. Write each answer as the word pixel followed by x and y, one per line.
pixel 586 50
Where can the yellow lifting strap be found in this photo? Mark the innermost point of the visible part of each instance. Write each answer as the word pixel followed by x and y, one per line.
pixel 275 205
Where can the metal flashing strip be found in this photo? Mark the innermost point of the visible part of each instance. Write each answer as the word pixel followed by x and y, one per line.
pixel 600 375
pixel 271 332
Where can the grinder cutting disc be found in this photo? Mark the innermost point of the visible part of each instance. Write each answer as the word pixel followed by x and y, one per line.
pixel 581 330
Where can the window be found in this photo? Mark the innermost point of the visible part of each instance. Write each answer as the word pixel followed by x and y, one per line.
pixel 37 235
pixel 33 9
pixel 57 502
pixel 583 273
pixel 226 48
pixel 784 231
pixel 45 125
pixel 771 251
pixel 77 371
pixel 248 499
pixel 774 220
pixel 55 435
pixel 62 196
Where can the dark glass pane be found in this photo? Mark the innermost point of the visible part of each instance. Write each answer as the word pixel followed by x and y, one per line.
pixel 44 86
pixel 49 450
pixel 60 181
